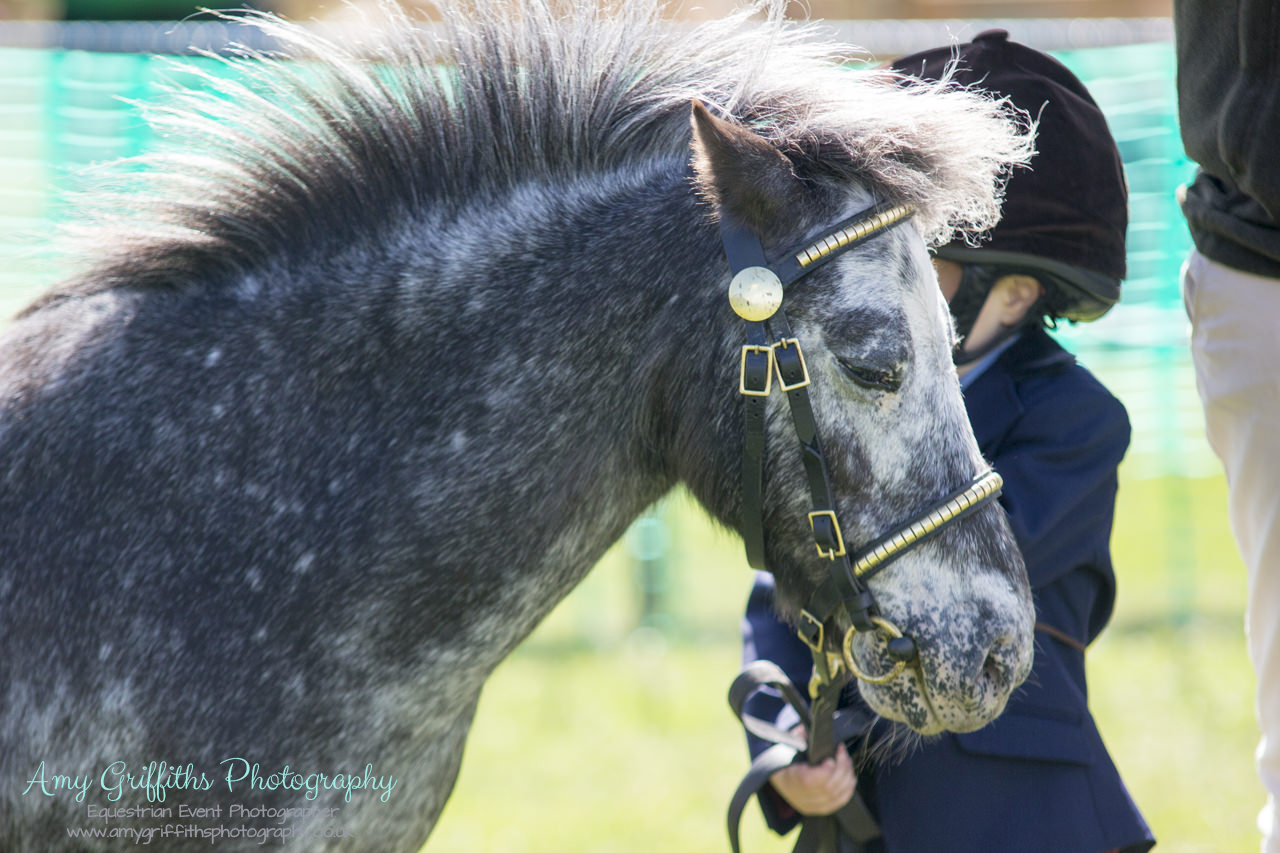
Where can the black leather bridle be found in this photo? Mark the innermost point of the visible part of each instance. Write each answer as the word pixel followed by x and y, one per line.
pixel 844 598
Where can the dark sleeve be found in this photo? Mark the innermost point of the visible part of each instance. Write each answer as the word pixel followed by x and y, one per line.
pixel 1059 466
pixel 1228 55
pixel 1228 65
pixel 765 636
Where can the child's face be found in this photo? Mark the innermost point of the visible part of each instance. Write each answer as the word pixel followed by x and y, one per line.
pixel 1006 304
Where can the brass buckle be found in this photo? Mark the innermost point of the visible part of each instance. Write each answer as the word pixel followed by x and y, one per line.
pixel 834 661
pixel 804 638
pixel 749 349
pixel 818 680
pixel 804 368
pixel 839 550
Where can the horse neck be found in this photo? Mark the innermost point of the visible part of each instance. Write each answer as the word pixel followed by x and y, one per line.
pixel 576 310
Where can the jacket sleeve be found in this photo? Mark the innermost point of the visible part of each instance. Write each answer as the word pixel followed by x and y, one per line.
pixel 1228 101
pixel 765 636
pixel 1058 460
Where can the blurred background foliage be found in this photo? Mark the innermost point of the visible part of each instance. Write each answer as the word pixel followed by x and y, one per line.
pixel 608 729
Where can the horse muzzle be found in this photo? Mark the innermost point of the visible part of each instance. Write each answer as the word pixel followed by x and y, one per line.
pixel 966 666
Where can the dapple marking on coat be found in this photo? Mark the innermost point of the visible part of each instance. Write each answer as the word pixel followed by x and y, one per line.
pixel 365 371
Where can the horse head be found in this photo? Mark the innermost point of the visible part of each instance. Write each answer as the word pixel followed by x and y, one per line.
pixel 874 340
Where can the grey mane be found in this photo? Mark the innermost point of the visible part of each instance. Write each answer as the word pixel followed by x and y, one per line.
pixel 327 147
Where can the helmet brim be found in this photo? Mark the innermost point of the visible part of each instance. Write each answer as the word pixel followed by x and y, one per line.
pixel 1091 294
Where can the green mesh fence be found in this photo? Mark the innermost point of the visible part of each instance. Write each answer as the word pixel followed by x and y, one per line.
pixel 61 110
pixel 1140 348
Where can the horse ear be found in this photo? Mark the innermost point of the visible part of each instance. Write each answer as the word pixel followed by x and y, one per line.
pixel 743 174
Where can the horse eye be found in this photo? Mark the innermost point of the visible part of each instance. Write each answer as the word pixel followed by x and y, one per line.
pixel 869 376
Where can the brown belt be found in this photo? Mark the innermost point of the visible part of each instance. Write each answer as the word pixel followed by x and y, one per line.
pixel 1061 636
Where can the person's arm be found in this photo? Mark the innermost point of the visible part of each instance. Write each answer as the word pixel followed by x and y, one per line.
pixel 765 636
pixel 800 789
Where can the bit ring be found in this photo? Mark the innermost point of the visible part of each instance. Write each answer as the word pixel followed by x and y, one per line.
pixel 846 652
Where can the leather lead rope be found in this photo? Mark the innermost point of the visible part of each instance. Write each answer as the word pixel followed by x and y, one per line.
pixel 853 825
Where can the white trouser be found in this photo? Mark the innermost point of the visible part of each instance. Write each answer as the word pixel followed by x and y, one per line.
pixel 1235 343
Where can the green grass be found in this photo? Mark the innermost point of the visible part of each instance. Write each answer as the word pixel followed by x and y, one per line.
pixel 625 742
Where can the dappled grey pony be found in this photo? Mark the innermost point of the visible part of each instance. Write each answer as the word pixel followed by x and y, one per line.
pixel 367 368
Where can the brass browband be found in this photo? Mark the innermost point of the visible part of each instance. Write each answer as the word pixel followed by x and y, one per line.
pixel 859 230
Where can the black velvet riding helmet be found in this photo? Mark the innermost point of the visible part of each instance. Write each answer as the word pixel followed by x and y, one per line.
pixel 1065 217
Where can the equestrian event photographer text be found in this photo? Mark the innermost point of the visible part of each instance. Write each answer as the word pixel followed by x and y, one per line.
pixel 241 775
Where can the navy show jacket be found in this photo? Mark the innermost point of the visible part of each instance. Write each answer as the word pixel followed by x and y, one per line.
pixel 1038 779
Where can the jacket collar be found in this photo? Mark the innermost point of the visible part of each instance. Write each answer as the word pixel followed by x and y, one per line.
pixel 992 399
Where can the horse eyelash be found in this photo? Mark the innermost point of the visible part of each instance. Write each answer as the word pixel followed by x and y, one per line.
pixel 869 377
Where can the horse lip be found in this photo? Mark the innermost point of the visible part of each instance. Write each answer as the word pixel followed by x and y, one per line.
pixel 920 716
pixel 933 724
pixel 965 717
pixel 970 715
pixel 923 684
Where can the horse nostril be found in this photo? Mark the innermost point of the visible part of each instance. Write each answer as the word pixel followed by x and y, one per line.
pixel 996 668
pixel 992 668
